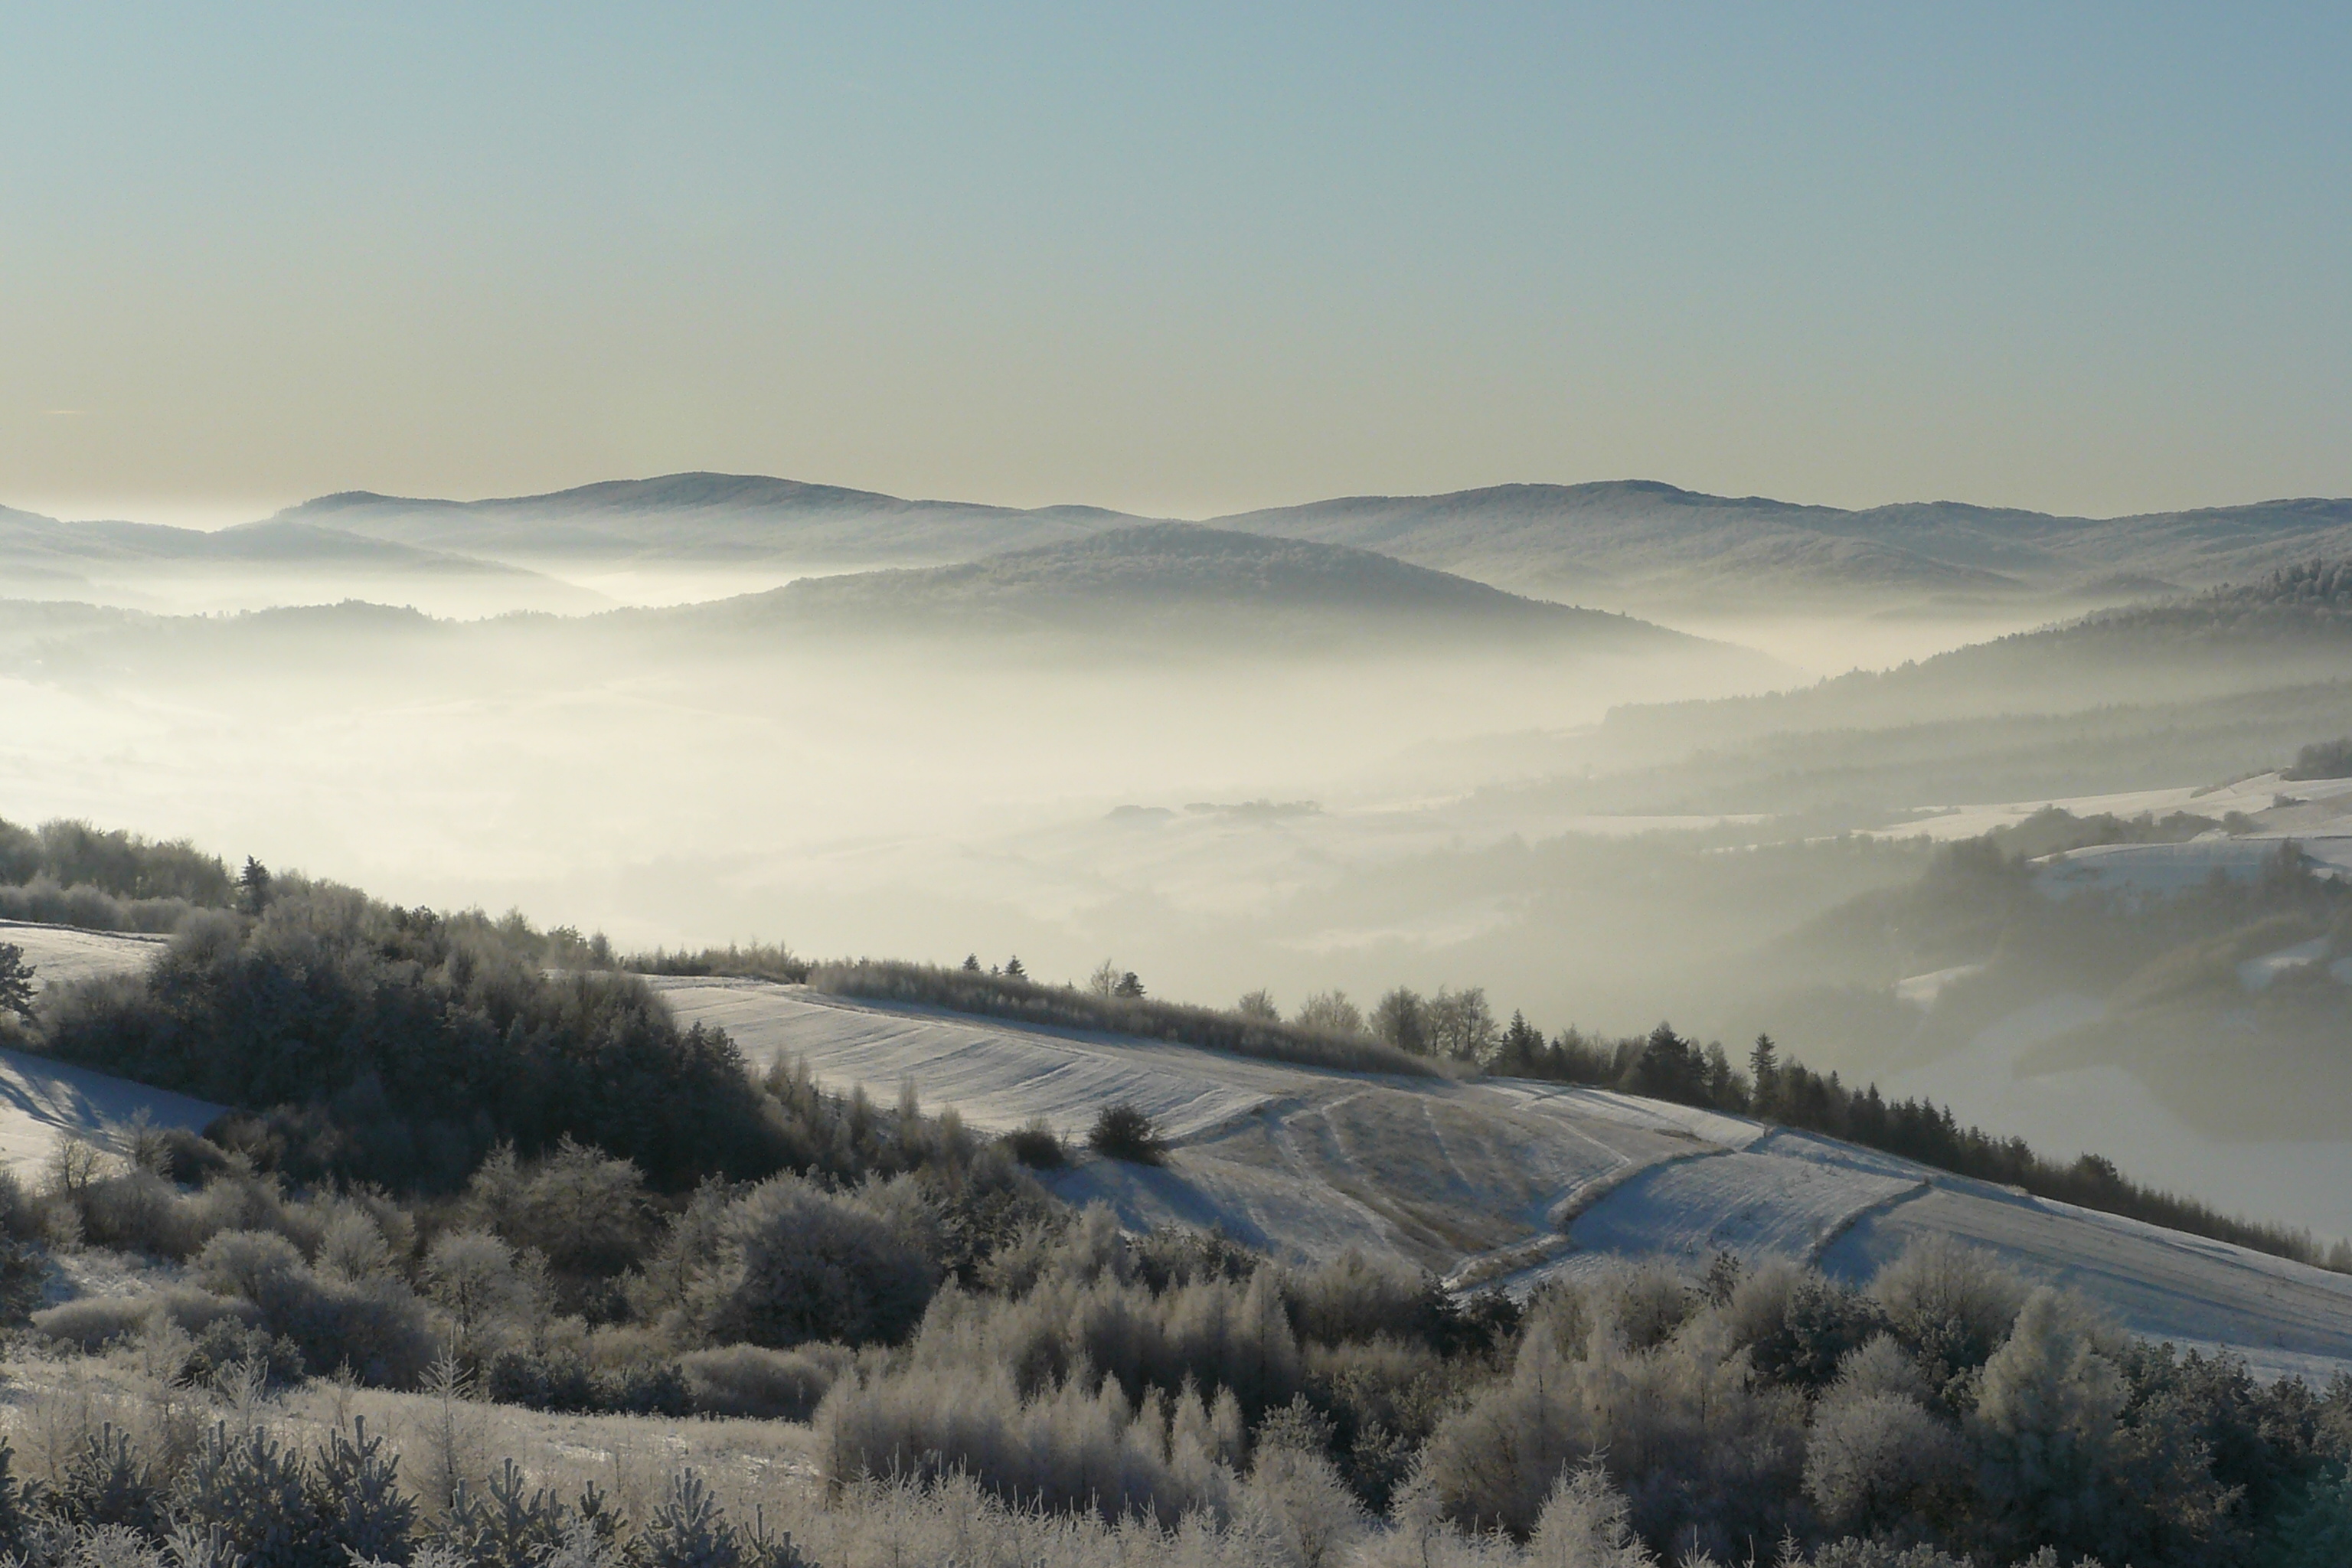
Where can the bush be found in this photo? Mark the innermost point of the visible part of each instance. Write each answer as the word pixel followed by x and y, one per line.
pixel 761 1383
pixel 1072 1446
pixel 374 1326
pixel 1037 1147
pixel 583 1211
pixel 1124 1132
pixel 95 1322
pixel 564 1381
pixel 789 1262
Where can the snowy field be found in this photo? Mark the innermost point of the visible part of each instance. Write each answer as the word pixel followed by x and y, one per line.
pixel 2282 1316
pixel 1510 1180
pixel 2281 805
pixel 41 1099
pixel 58 954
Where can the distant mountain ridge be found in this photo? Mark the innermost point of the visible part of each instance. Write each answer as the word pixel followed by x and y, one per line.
pixel 712 518
pixel 1634 543
pixel 1173 582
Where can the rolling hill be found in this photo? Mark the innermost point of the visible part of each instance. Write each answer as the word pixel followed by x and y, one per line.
pixel 702 517
pixel 1180 583
pixel 153 565
pixel 1490 1181
pixel 1510 1182
pixel 1625 542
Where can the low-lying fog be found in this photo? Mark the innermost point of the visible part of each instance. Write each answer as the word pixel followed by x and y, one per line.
pixel 1217 817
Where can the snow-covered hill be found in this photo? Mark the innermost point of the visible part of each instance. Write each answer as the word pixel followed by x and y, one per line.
pixel 1509 1181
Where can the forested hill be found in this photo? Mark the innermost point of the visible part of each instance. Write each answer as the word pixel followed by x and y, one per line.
pixel 1645 540
pixel 1619 541
pixel 1176 582
pixel 731 518
pixel 2293 627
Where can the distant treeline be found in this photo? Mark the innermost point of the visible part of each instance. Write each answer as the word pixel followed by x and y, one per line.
pixel 66 872
pixel 760 961
pixel 971 990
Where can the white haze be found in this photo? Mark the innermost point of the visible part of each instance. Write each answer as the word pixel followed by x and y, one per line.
pixel 929 804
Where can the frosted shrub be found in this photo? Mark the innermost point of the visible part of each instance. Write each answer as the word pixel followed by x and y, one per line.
pixel 1643 1303
pixel 352 1245
pixel 2046 1424
pixel 1881 1462
pixel 1799 1328
pixel 767 1385
pixel 1858 1554
pixel 376 1325
pixel 1882 1366
pixel 471 1275
pixel 1586 1523
pixel 1353 1298
pixel 1218 1333
pixel 1951 1303
pixel 582 1210
pixel 139 1211
pixel 1077 1445
pixel 791 1263
pixel 94 1321
pixel 1695 1445
pixel 1296 1497
pixel 248 1263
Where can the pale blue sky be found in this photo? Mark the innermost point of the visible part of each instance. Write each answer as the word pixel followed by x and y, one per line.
pixel 1181 258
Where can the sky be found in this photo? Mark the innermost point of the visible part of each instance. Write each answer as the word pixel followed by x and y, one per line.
pixel 1177 259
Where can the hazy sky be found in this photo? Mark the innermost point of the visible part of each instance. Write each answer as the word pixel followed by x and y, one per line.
pixel 1184 258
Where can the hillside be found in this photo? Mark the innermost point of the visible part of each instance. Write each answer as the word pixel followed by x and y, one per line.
pixel 1504 1180
pixel 704 517
pixel 40 1100
pixel 1179 582
pixel 156 566
pixel 1490 1181
pixel 1622 543
pixel 2189 663
pixel 1646 542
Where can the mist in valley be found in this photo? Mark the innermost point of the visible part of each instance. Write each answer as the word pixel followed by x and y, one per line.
pixel 1233 764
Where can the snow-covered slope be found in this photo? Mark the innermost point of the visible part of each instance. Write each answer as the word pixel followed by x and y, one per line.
pixel 58 954
pixel 1508 1180
pixel 38 1097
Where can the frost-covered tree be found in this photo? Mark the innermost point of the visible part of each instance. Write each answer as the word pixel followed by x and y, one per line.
pixel 1330 1013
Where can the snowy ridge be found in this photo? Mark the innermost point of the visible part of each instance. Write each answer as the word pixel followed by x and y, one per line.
pixel 1510 1182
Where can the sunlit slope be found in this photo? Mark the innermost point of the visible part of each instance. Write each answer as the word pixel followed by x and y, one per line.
pixel 41 1099
pixel 1508 1180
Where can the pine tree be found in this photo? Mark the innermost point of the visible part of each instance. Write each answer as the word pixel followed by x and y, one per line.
pixel 1764 1074
pixel 15 983
pixel 253 887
